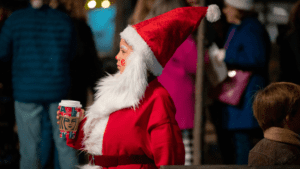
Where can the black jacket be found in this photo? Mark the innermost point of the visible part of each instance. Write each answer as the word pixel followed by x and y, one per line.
pixel 290 57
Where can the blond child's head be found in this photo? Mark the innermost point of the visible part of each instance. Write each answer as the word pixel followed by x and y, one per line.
pixel 278 105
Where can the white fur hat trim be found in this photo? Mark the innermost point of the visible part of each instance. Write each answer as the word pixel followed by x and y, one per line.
pixel 138 44
pixel 241 4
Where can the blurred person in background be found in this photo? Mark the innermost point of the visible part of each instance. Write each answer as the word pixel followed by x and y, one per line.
pixel 289 48
pixel 4 13
pixel 86 69
pixel 41 42
pixel 141 10
pixel 193 2
pixel 247 49
pixel 178 77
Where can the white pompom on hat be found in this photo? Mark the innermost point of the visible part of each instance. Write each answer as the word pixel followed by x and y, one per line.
pixel 241 4
pixel 213 13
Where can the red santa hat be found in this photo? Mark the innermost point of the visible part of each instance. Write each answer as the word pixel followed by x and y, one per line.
pixel 157 38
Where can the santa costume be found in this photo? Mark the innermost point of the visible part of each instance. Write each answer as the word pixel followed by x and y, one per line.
pixel 132 122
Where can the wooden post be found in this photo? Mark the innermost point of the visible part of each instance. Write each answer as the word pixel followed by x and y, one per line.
pixel 198 133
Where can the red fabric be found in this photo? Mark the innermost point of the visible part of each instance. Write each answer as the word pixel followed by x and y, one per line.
pixel 164 29
pixel 149 130
pixel 119 160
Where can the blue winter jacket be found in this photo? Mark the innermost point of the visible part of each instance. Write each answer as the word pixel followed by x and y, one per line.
pixel 249 49
pixel 41 43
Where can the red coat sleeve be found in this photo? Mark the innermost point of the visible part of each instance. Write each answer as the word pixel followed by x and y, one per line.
pixel 166 140
pixel 77 141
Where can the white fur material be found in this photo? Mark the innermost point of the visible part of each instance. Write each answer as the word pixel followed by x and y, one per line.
pixel 241 4
pixel 213 13
pixel 114 92
pixel 88 166
pixel 138 44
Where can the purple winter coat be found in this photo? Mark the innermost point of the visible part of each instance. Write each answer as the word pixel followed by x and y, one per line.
pixel 178 78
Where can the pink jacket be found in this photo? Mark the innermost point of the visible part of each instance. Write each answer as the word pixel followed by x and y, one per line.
pixel 178 78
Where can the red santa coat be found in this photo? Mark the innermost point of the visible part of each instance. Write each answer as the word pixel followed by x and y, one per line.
pixel 150 129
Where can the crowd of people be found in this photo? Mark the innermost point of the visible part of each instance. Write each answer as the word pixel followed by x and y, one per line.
pixel 143 115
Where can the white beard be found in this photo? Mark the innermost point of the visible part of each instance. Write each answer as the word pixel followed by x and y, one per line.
pixel 114 92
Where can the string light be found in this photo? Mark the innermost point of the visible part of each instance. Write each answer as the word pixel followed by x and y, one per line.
pixel 231 73
pixel 92 4
pixel 105 4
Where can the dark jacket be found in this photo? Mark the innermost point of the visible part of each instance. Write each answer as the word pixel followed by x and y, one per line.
pixel 290 57
pixel 41 44
pixel 249 49
pixel 279 147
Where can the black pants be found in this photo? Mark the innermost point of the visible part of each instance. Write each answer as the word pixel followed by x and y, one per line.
pixel 233 144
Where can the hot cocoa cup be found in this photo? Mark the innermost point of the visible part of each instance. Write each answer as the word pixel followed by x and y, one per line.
pixel 69 112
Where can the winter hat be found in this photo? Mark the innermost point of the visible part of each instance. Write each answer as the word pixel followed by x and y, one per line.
pixel 241 4
pixel 157 39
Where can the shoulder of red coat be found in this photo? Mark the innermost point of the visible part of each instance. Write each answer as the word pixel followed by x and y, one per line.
pixel 159 90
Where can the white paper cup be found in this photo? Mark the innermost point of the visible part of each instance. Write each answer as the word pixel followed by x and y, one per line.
pixel 69 111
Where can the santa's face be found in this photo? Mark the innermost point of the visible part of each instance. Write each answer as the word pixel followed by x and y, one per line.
pixel 123 54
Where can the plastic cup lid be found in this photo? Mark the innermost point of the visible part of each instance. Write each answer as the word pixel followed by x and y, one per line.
pixel 70 103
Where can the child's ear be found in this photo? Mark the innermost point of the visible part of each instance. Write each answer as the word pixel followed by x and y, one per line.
pixel 286 121
pixel 287 117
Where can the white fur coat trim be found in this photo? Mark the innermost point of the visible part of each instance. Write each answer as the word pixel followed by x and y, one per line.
pixel 88 166
pixel 114 92
pixel 138 44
